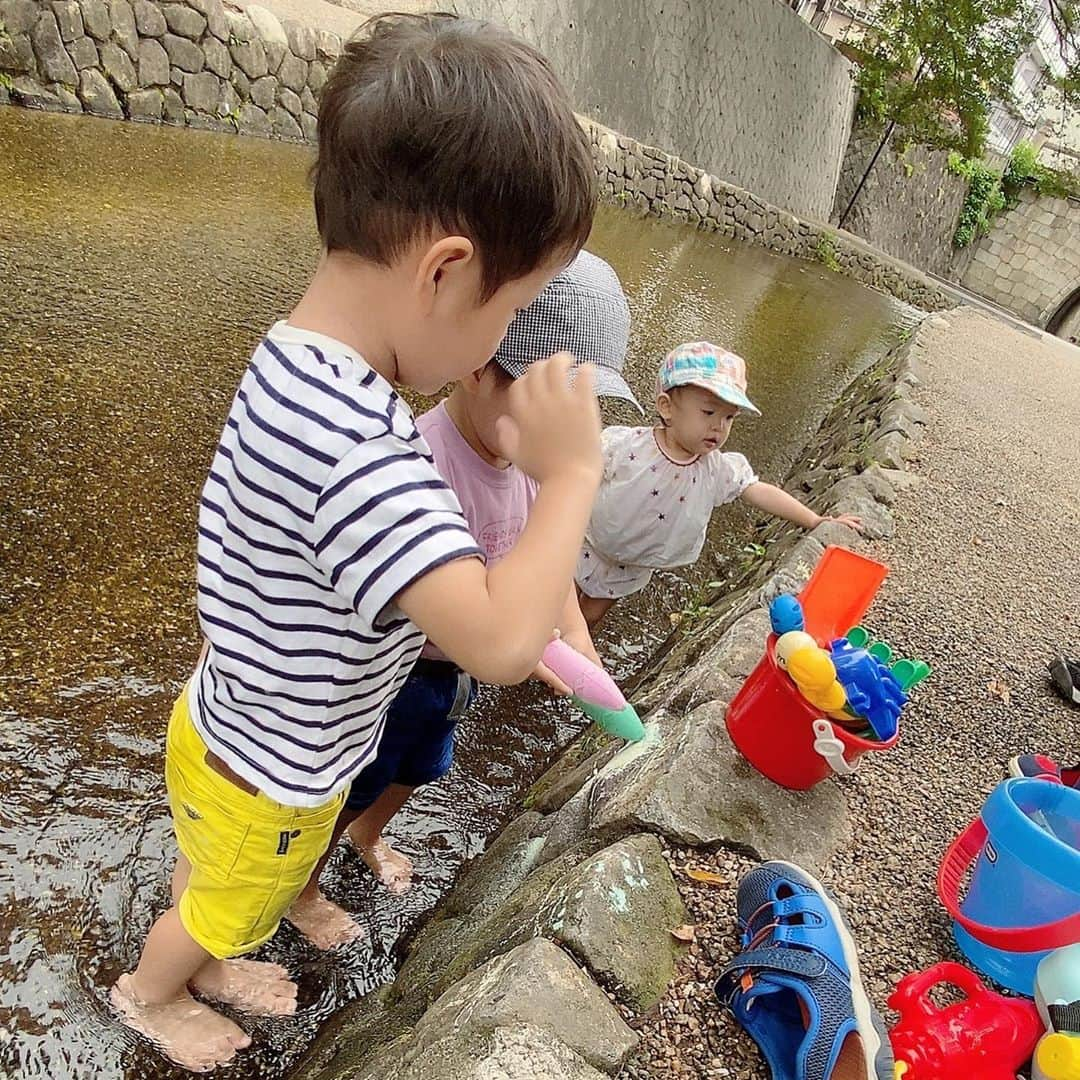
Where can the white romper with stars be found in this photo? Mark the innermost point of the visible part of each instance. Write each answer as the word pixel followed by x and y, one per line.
pixel 652 512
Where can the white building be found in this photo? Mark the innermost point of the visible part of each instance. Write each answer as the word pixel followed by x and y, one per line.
pixel 1031 117
pixel 838 20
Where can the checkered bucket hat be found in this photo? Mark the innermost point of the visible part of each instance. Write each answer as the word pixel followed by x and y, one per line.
pixel 582 311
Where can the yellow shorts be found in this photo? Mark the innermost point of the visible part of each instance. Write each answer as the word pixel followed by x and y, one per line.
pixel 250 856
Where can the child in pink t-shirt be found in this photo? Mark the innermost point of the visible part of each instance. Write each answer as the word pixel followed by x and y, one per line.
pixel 583 311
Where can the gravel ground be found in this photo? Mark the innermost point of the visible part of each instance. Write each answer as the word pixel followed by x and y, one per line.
pixel 984 586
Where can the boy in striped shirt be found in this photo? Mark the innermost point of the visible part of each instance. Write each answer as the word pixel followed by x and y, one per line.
pixel 452 183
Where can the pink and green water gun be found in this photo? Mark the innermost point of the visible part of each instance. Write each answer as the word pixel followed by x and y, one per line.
pixel 595 692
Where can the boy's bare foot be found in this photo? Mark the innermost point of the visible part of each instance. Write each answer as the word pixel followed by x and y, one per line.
pixel 393 869
pixel 322 922
pixel 253 987
pixel 186 1031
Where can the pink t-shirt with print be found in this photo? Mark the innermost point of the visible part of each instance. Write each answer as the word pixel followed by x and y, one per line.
pixel 496 502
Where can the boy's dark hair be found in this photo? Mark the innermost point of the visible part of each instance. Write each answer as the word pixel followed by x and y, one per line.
pixel 434 121
pixel 502 377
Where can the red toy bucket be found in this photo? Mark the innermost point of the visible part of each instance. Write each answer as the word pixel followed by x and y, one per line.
pixel 772 726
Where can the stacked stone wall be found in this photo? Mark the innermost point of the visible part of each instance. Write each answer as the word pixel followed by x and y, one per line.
pixel 195 63
pixel 910 203
pixel 1029 262
pixel 188 62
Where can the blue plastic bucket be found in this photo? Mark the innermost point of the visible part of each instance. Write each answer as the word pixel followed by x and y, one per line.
pixel 1024 897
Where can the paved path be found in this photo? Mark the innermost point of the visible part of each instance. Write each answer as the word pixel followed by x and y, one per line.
pixel 985 585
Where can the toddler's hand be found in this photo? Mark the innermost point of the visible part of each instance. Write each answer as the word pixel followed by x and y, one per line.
pixel 852 521
pixel 553 428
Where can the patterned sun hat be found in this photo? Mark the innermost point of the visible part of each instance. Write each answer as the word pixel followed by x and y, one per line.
pixel 700 363
pixel 582 311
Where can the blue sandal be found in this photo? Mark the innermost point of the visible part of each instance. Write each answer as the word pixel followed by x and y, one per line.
pixel 796 988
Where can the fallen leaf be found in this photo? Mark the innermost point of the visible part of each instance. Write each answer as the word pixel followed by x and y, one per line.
pixel 999 688
pixel 683 933
pixel 707 876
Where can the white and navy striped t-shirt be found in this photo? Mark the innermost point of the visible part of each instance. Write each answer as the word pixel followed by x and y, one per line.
pixel 322 505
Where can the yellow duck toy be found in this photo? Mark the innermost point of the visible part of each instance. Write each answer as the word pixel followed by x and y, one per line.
pixel 792 642
pixel 812 671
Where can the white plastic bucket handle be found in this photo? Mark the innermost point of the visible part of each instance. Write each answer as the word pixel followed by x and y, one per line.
pixel 828 746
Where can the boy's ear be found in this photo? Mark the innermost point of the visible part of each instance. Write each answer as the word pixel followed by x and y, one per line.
pixel 663 406
pixel 471 383
pixel 446 266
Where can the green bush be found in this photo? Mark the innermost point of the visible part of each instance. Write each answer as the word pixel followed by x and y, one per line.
pixel 826 253
pixel 990 192
pixel 1023 165
pixel 985 198
pixel 1024 170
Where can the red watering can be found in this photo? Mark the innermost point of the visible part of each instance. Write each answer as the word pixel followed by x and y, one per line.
pixel 985 1036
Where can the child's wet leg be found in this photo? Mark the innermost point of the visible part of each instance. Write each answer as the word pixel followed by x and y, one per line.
pixel 255 987
pixel 594 608
pixel 324 923
pixel 155 1001
pixel 259 988
pixel 391 867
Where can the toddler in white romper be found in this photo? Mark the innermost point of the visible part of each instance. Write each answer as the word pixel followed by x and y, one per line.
pixel 662 484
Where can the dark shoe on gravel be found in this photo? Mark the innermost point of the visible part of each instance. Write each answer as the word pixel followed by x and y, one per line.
pixel 1066 676
pixel 795 988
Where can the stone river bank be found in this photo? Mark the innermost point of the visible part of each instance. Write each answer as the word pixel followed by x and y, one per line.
pixel 983 586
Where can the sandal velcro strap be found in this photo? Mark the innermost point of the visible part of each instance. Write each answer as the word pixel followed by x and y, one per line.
pixel 800 962
pixel 801 904
pixel 1064 1017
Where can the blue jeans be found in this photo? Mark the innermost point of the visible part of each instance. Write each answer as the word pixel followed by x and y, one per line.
pixel 418 741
